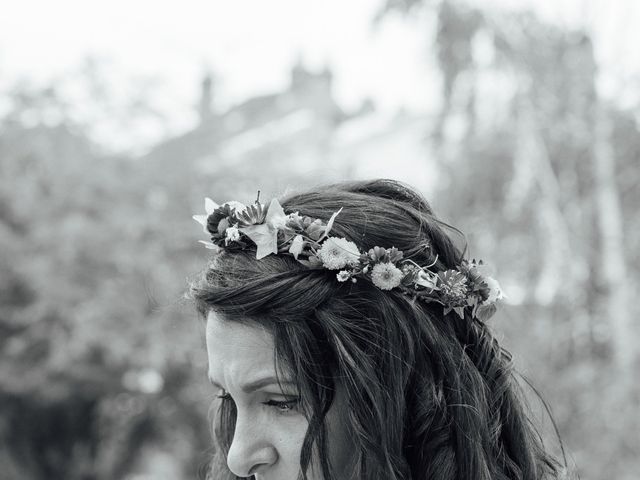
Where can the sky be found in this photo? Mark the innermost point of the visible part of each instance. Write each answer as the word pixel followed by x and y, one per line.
pixel 250 46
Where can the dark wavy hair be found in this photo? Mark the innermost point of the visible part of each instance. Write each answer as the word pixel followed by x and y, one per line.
pixel 429 396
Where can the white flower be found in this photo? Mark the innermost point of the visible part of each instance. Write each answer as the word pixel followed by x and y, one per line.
pixel 265 235
pixel 336 253
pixel 232 235
pixel 386 276
pixel 237 206
pixel 495 292
pixel 343 275
pixel 294 217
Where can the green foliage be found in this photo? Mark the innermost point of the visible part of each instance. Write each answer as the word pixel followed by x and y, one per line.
pixel 95 368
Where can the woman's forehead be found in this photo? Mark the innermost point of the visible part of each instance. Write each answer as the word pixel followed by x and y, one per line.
pixel 237 329
pixel 238 349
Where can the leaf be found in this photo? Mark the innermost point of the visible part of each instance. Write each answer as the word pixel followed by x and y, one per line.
pixel 312 262
pixel 314 230
pixel 275 214
pixel 330 224
pixel 265 238
pixel 315 261
pixel 430 299
pixel 485 312
pixel 287 235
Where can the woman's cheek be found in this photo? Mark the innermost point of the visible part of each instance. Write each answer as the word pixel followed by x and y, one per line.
pixel 289 432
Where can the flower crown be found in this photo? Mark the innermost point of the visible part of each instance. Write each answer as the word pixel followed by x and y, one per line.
pixel 232 226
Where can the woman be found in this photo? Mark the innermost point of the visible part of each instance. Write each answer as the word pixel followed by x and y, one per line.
pixel 346 339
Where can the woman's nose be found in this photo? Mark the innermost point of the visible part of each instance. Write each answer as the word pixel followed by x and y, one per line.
pixel 250 451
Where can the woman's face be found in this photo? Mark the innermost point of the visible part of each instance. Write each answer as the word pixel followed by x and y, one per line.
pixel 270 426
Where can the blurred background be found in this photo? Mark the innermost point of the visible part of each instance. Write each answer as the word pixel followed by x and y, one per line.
pixel 517 119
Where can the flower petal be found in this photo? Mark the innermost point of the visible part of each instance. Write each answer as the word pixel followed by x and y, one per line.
pixel 238 206
pixel 223 225
pixel 202 220
pixel 209 245
pixel 209 205
pixel 296 246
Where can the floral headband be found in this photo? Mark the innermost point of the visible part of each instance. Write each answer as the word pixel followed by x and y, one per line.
pixel 232 226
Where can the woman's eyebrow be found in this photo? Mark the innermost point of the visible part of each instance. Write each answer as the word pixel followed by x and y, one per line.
pixel 257 384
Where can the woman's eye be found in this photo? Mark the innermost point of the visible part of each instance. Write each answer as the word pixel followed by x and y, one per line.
pixel 284 406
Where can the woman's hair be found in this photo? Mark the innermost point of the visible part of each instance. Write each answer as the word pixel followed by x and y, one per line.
pixel 429 396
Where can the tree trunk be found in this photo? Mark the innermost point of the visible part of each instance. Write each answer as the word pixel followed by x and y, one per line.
pixel 613 267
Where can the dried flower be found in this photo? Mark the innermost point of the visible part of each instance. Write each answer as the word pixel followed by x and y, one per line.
pixel 232 235
pixel 463 289
pixel 495 292
pixel 251 215
pixel 336 253
pixel 218 220
pixel 235 205
pixel 294 220
pixel 264 235
pixel 395 255
pixel 386 276
pixel 453 287
pixel 343 275
pixel 378 254
pixel 296 246
pixel 314 229
pixel 426 279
